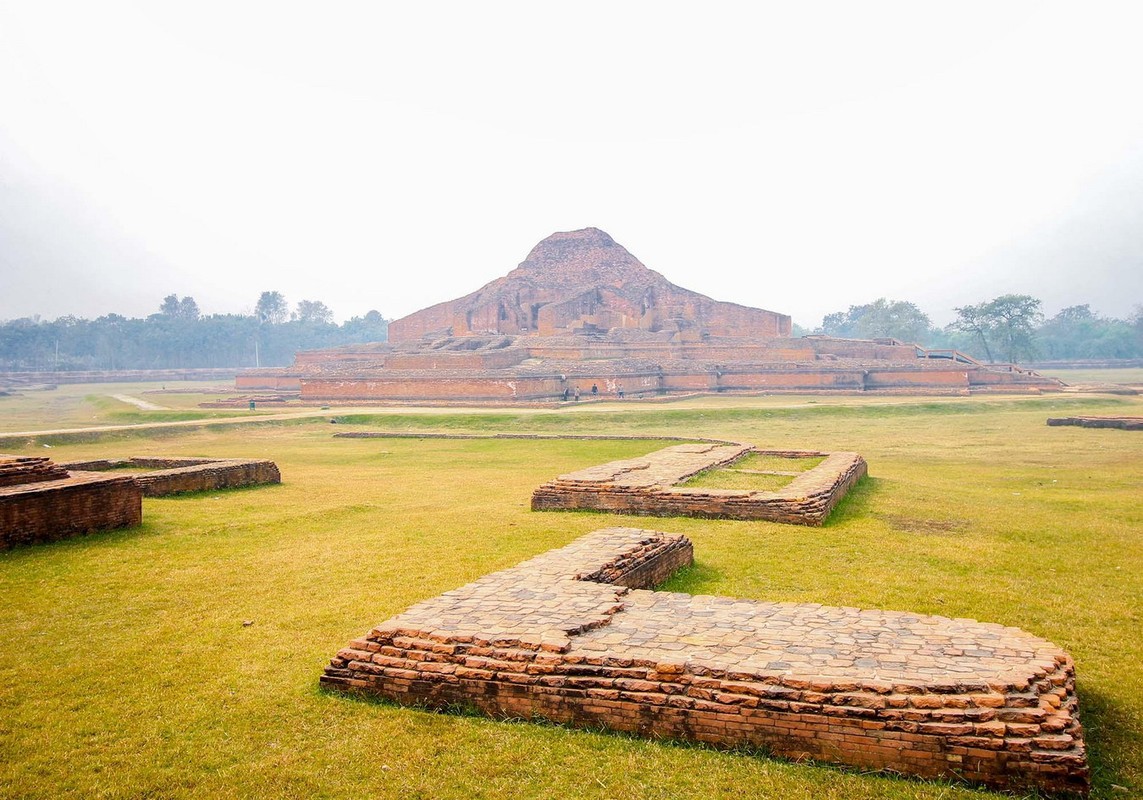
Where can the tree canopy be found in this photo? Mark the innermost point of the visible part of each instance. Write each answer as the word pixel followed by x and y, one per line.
pixel 1005 325
pixel 1008 328
pixel 271 308
pixel 179 337
pixel 880 319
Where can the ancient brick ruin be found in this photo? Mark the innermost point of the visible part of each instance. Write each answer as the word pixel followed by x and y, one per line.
pixel 575 636
pixel 178 475
pixel 41 501
pixel 649 485
pixel 581 311
pixel 1122 423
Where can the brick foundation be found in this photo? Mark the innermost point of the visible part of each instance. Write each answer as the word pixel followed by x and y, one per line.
pixel 575 637
pixel 1123 423
pixel 648 486
pixel 178 475
pixel 51 504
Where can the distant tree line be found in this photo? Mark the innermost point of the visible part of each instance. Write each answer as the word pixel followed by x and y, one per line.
pixel 179 336
pixel 1009 328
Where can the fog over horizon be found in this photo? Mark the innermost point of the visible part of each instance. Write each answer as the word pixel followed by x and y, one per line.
pixel 799 159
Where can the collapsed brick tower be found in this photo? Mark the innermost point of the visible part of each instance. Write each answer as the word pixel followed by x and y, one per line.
pixel 584 281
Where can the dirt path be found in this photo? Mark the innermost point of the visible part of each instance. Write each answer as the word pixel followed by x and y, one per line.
pixel 135 401
pixel 250 419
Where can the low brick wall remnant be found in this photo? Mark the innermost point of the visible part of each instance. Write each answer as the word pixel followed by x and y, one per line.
pixel 41 502
pixel 179 475
pixel 575 636
pixel 648 486
pixel 1122 423
pixel 18 470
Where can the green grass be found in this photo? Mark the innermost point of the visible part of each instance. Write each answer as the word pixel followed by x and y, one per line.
pixel 729 479
pixel 74 405
pixel 1131 376
pixel 127 670
pixel 748 473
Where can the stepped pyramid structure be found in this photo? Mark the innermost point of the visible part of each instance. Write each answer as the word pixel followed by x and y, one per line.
pixel 581 312
pixel 584 282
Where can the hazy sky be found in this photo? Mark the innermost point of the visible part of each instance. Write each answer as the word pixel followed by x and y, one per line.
pixel 800 157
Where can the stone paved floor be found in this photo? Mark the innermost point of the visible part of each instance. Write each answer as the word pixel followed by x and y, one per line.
pixel 542 600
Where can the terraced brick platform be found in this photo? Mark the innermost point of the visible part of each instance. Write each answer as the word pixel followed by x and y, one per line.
pixel 649 485
pixel 575 636
pixel 171 475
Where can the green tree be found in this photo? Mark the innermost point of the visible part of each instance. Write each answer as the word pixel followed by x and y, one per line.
pixel 1016 317
pixel 170 306
pixel 174 308
pixel 893 319
pixel 271 308
pixel 313 312
pixel 975 321
pixel 1005 325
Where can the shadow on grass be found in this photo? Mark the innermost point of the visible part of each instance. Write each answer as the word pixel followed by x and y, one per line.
pixel 692 579
pixel 856 503
pixel 82 541
pixel 1107 727
pixel 203 494
pixel 469 711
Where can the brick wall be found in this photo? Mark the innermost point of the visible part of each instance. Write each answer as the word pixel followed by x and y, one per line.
pixel 84 502
pixel 1122 423
pixel 179 475
pixel 279 380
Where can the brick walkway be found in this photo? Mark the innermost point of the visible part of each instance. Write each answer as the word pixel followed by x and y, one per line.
pixel 574 636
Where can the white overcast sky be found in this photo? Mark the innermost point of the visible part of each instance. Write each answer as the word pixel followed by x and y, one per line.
pixel 801 157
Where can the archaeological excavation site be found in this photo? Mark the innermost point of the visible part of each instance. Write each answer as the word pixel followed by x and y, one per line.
pixel 579 636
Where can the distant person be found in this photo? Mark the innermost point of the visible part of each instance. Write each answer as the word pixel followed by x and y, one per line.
pixel 619 390
pixel 594 389
pixel 567 393
pixel 577 394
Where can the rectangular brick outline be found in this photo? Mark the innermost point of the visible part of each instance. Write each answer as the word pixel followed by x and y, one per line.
pixel 806 500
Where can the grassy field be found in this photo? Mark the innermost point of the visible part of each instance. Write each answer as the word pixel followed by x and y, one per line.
pixel 72 405
pixel 1130 376
pixel 181 658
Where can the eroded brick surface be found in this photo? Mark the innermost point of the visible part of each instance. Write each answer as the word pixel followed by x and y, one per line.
pixel 574 636
pixel 648 486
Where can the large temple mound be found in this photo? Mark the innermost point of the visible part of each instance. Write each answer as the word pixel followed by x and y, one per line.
pixel 581 312
pixel 583 281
